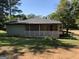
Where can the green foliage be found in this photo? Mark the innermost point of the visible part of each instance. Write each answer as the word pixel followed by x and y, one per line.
pixel 77 21
pixel 35 16
pixel 67 12
pixel 53 16
pixel 31 16
pixel 21 16
pixel 8 7
pixel 52 41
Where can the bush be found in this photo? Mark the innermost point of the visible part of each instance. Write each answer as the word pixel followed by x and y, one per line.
pixel 52 41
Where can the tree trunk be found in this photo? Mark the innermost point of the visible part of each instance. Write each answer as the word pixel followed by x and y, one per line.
pixel 67 30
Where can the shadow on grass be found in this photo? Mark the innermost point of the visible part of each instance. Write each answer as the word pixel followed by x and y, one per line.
pixel 68 36
pixel 35 45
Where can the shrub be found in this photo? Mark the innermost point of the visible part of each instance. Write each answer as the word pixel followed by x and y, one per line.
pixel 52 41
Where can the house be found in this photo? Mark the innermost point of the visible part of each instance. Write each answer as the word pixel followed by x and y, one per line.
pixel 35 27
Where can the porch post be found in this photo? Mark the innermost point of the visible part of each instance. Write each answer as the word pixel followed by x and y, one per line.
pixel 58 27
pixel 58 30
pixel 29 30
pixel 62 27
pixel 39 29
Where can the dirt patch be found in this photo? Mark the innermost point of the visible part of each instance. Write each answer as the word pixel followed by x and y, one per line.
pixel 59 53
pixel 74 31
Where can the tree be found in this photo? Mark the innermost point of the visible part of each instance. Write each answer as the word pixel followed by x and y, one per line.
pixel 31 16
pixel 53 16
pixel 21 16
pixel 8 7
pixel 3 5
pixel 13 9
pixel 67 12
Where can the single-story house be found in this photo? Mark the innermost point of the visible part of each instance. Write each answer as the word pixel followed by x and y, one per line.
pixel 35 27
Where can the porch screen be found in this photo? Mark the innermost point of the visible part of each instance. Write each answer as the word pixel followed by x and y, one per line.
pixel 34 27
pixel 27 27
pixel 44 27
pixel 54 27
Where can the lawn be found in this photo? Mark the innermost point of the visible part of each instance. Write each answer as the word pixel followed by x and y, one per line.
pixel 33 46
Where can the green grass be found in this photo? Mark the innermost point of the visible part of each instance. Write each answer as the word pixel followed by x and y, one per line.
pixel 1 31
pixel 69 41
pixel 16 41
pixel 77 21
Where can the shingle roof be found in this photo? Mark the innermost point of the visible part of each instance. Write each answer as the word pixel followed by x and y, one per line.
pixel 36 21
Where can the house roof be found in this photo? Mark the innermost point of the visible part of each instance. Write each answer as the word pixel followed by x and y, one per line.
pixel 35 21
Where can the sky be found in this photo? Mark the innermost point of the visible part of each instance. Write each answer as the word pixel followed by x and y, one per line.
pixel 39 7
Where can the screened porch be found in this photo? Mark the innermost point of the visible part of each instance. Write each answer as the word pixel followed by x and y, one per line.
pixel 34 30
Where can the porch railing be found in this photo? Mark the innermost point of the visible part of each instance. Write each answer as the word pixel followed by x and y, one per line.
pixel 41 33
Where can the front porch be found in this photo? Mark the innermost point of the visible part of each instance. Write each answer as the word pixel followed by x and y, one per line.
pixel 41 30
